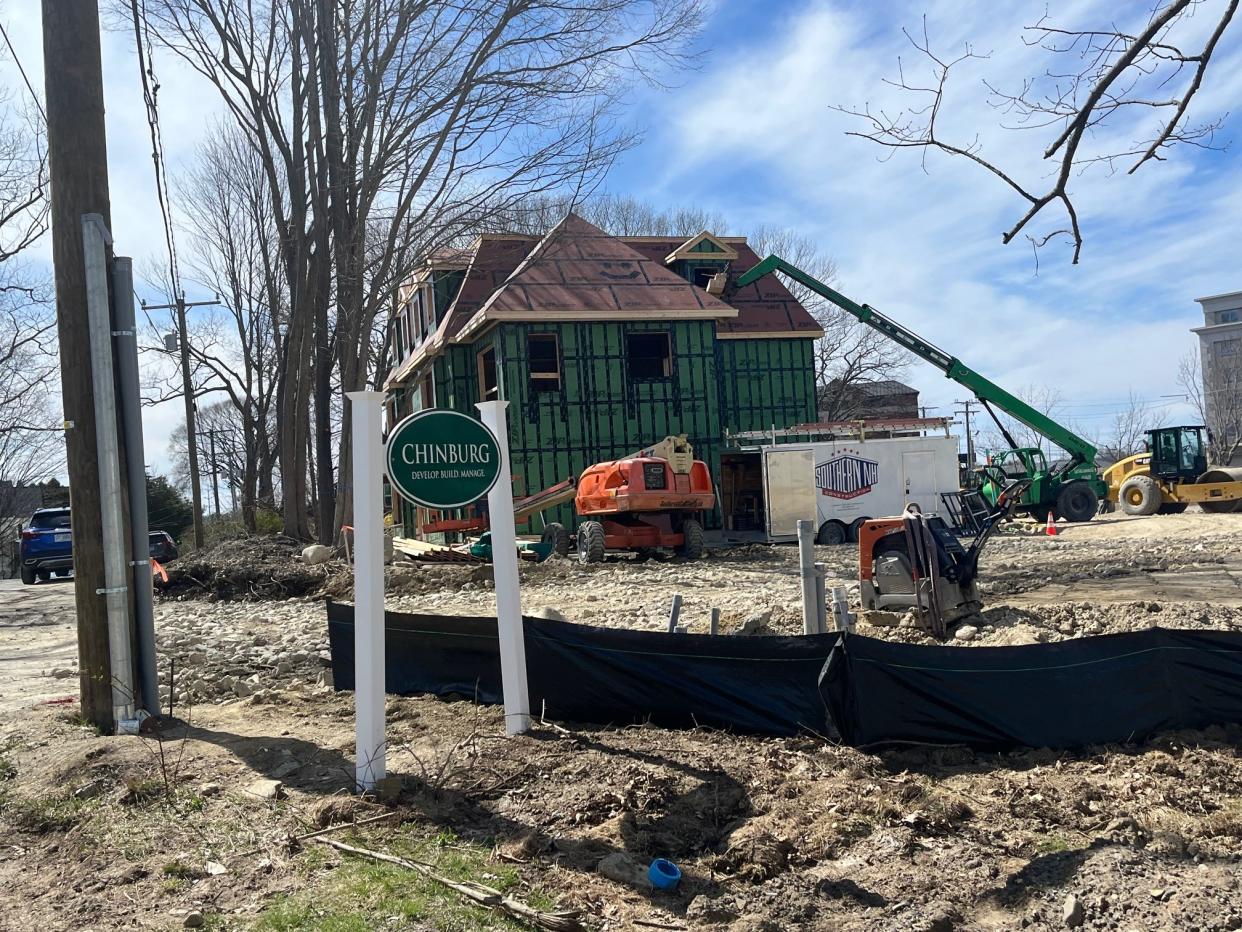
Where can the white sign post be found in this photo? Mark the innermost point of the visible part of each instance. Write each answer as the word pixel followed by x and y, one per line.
pixel 368 454
pixel 505 570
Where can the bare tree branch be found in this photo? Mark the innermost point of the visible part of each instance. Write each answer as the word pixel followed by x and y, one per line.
pixel 1120 76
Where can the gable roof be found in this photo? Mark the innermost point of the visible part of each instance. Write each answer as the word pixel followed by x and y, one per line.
pixel 579 272
pixel 703 245
pixel 765 308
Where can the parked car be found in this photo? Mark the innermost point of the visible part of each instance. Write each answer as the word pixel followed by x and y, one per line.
pixel 163 547
pixel 46 545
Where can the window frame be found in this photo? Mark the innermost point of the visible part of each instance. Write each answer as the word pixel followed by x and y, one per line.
pixel 481 370
pixel 667 358
pixel 534 378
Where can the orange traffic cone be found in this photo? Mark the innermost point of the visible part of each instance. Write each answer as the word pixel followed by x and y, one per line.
pixel 1051 528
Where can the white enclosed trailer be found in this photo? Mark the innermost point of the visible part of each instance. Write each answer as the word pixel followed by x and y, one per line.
pixel 767 488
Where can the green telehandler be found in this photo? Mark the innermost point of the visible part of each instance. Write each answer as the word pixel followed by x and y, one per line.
pixel 1071 490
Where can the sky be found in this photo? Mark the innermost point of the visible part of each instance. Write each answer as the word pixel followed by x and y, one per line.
pixel 750 132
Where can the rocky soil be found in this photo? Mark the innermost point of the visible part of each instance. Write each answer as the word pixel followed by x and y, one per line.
pixel 248 615
pixel 770 834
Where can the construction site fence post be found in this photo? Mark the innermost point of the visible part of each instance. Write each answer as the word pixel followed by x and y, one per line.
pixel 821 598
pixel 674 612
pixel 371 746
pixel 844 621
pixel 505 570
pixel 806 565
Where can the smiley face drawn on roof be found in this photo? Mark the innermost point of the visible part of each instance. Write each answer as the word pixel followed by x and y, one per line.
pixel 619 271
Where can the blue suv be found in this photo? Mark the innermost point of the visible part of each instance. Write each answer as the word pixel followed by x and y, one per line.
pixel 46 545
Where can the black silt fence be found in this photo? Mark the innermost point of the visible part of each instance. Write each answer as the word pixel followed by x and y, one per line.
pixel 761 685
pixel 866 692
pixel 1093 690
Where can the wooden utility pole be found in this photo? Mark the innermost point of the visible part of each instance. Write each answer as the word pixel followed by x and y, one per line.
pixel 187 390
pixel 78 167
pixel 970 437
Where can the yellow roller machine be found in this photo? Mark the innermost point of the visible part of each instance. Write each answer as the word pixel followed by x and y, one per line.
pixel 1172 475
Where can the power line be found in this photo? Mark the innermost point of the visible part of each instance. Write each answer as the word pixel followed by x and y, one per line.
pixel 150 94
pixel 17 61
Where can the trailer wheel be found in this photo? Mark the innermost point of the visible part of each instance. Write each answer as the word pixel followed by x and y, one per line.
pixel 692 539
pixel 1077 501
pixel 558 536
pixel 1140 495
pixel 590 542
pixel 831 533
pixel 851 533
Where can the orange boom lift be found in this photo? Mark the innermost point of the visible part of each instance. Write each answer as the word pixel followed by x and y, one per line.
pixel 650 500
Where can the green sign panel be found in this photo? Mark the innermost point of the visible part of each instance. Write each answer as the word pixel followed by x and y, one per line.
pixel 442 459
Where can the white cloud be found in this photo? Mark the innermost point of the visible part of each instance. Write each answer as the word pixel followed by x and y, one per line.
pixel 764 146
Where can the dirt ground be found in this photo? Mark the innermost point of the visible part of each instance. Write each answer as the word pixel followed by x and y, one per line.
pixel 771 834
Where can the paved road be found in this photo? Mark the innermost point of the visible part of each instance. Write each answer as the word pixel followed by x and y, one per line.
pixel 38 636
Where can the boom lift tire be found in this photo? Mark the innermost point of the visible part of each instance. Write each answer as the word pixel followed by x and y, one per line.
pixel 558 536
pixel 831 533
pixel 692 539
pixel 1140 496
pixel 590 542
pixel 1077 501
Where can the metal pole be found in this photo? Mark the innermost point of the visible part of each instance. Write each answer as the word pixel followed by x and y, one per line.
pixel 505 569
pixel 806 568
pixel 841 609
pixel 115 590
pixel 367 452
pixel 821 598
pixel 674 612
pixel 126 344
pixel 715 622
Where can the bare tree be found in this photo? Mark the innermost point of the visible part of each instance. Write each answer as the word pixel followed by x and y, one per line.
pixel 237 255
pixel 1045 399
pixel 1121 83
pixel 1127 434
pixel 387 128
pixel 615 214
pixel 31 438
pixel 1216 396
pixel 850 352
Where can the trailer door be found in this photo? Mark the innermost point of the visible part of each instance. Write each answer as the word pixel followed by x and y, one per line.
pixel 918 473
pixel 789 488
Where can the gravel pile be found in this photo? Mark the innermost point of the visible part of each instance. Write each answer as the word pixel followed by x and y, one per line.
pixel 218 651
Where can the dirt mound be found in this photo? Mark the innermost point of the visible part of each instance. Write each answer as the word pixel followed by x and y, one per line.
pixel 250 568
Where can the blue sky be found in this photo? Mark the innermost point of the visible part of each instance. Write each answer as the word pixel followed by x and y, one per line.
pixel 750 133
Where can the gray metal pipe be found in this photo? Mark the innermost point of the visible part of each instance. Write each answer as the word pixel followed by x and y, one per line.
pixel 95 240
pixel 125 342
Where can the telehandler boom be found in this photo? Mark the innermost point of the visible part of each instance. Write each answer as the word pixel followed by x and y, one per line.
pixel 1071 491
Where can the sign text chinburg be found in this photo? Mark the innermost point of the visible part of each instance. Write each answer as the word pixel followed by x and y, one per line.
pixel 442 459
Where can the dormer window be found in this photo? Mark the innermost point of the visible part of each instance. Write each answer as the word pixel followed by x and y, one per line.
pixel 701 258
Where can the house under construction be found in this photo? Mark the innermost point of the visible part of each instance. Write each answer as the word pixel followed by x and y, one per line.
pixel 602 345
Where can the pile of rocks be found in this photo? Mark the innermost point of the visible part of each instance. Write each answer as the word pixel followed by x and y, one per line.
pixel 216 651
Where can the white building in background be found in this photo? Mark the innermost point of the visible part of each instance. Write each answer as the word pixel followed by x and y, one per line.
pixel 1220 351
